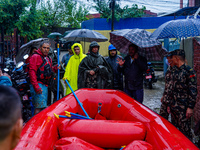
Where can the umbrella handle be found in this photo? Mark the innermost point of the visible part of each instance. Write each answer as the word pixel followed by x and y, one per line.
pixel 58 82
pixel 77 98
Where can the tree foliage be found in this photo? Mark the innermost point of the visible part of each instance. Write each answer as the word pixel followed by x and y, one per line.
pixel 63 13
pixel 29 16
pixel 53 13
pixel 77 14
pixel 104 8
pixel 10 11
pixel 30 23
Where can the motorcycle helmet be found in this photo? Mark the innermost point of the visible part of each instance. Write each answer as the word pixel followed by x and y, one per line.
pixel 111 47
pixel 4 80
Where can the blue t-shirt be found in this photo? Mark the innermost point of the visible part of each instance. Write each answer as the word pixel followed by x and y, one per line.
pixel 65 59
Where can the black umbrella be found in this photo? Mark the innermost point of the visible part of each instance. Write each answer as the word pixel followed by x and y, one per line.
pixel 67 32
pixel 85 35
pixel 25 48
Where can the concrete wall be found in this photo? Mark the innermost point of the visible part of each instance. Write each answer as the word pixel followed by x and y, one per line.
pixel 187 46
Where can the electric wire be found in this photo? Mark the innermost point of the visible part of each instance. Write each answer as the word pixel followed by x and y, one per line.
pixel 157 6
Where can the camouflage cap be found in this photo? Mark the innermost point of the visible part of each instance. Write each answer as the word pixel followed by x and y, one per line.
pixel 178 52
pixel 168 54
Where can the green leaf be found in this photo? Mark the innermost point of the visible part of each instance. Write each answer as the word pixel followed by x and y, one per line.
pixel 102 6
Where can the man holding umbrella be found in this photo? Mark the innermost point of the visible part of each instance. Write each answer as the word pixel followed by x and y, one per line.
pixel 133 66
pixel 56 36
pixel 58 41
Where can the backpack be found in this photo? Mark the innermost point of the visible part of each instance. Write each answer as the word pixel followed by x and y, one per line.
pixel 44 72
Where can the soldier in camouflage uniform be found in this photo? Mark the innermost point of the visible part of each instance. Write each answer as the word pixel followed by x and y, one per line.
pixel 167 95
pixel 184 92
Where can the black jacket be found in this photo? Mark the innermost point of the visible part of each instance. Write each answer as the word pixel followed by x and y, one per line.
pixel 117 76
pixel 133 72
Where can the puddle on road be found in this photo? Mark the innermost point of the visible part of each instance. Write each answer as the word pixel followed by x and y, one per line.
pixel 152 96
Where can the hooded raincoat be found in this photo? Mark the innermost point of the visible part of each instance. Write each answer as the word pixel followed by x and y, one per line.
pixel 117 76
pixel 103 72
pixel 71 70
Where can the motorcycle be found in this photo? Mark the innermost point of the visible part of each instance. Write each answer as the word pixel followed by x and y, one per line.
pixel 9 65
pixel 21 82
pixel 149 76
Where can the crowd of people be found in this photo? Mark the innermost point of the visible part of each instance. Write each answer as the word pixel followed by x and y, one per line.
pixel 86 71
pixel 95 71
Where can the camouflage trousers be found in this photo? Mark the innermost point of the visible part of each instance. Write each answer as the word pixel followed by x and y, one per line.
pixel 163 111
pixel 179 120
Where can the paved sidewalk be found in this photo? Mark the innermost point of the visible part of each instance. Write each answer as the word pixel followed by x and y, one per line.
pixel 159 75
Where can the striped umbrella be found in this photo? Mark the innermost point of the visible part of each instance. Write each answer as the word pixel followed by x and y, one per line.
pixel 150 48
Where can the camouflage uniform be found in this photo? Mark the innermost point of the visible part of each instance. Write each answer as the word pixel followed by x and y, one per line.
pixel 184 96
pixel 167 95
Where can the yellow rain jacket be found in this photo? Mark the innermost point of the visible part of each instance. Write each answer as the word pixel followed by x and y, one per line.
pixel 71 70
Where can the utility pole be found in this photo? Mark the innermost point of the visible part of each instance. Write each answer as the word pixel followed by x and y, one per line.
pixel 113 14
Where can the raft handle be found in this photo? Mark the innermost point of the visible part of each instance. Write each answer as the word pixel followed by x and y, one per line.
pixel 99 107
pixel 119 105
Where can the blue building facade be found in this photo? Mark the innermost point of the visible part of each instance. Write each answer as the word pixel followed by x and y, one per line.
pixel 129 23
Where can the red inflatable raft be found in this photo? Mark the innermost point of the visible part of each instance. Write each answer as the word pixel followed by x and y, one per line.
pixel 118 121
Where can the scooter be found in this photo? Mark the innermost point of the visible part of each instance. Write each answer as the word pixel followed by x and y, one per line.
pixel 9 65
pixel 149 76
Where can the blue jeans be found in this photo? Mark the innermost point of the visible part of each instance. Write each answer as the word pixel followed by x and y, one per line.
pixel 136 94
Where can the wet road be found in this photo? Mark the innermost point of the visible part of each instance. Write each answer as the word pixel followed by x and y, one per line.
pixel 152 96
pixel 152 100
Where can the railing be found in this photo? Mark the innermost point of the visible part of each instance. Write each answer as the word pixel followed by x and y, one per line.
pixel 157 65
pixel 9 45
